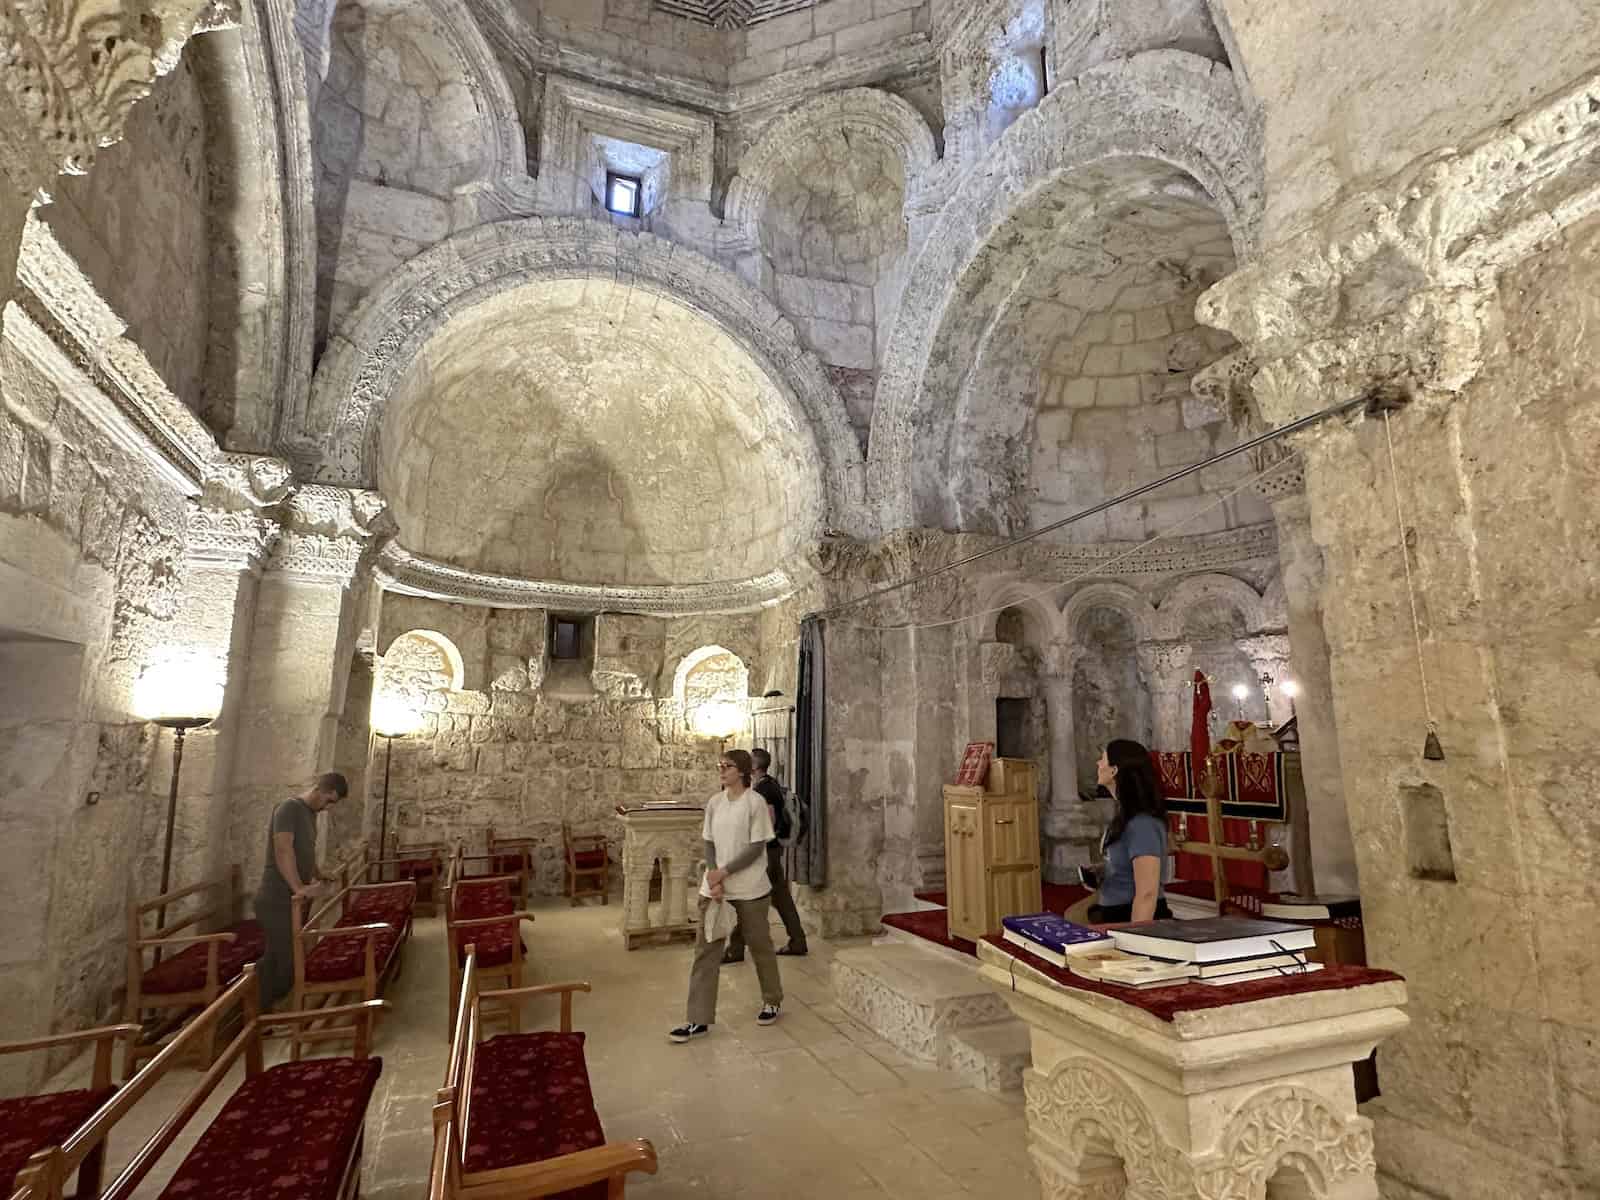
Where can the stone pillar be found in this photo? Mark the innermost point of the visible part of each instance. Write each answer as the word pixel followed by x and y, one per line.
pixel 1070 828
pixel 1327 824
pixel 1486 334
pixel 1166 667
pixel 299 655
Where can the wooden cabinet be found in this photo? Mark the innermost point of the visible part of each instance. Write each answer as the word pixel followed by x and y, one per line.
pixel 991 849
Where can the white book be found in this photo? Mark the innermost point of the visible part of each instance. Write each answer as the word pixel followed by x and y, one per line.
pixel 1270 972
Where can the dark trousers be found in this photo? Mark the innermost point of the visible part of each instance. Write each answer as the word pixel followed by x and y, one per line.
pixel 276 968
pixel 1118 914
pixel 705 973
pixel 782 900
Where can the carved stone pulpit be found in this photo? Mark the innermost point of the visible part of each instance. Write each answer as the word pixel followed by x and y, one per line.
pixel 669 835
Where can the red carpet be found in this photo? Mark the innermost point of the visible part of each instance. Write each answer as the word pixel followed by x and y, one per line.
pixel 932 924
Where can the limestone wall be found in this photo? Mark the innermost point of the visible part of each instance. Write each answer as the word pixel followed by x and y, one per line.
pixel 824 32
pixel 139 226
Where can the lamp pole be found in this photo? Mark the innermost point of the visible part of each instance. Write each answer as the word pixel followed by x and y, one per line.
pixel 180 727
pixel 383 821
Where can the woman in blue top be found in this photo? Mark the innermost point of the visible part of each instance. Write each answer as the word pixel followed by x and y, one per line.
pixel 1135 844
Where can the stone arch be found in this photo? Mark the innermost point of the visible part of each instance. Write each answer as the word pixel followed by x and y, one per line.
pixel 1039 614
pixel 881 117
pixel 1091 1115
pixel 1290 1129
pixel 371 353
pixel 693 660
pixel 1129 601
pixel 449 655
pixel 1176 111
pixel 1189 594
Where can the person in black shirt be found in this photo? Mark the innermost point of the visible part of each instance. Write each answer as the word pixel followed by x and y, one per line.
pixel 782 900
pixel 290 872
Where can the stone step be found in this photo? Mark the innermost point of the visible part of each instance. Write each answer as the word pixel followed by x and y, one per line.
pixel 992 1057
pixel 890 936
pixel 914 998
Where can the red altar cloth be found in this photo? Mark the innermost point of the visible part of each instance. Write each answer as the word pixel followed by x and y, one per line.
pixel 1165 1003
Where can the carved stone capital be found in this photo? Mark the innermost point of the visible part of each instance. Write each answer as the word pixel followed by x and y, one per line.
pixel 329 532
pixel 1393 284
pixel 70 70
pixel 1161 659
pixel 230 539
pixel 246 482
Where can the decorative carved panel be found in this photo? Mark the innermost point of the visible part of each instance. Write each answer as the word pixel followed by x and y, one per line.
pixel 731 14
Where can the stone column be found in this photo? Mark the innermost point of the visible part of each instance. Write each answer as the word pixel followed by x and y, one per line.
pixel 1165 667
pixel 299 654
pixel 1070 828
pixel 1484 334
pixel 1332 865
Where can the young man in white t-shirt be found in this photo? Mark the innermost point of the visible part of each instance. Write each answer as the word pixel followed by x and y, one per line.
pixel 736 830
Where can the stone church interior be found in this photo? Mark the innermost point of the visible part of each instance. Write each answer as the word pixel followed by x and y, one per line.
pixel 519 407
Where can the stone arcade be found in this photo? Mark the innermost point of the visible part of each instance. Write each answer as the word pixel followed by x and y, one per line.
pixel 531 367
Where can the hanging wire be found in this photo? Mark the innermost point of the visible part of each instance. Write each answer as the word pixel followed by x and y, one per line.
pixel 1100 569
pixel 1431 749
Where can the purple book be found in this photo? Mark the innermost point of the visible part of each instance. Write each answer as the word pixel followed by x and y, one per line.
pixel 1051 936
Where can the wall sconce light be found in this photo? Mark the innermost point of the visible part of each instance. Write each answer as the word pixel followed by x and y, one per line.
pixel 1239 694
pixel 1291 689
pixel 718 719
pixel 179 692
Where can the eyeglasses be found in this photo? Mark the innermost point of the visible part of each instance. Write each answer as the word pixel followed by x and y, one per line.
pixel 727 766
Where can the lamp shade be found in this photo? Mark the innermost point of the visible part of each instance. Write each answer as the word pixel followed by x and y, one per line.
pixel 392 717
pixel 718 718
pixel 1291 689
pixel 1240 691
pixel 179 687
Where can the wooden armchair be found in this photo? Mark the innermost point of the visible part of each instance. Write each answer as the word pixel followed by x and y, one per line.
pixel 481 911
pixel 348 946
pixel 513 856
pixel 588 865
pixel 196 966
pixel 34 1128
pixel 423 863
pixel 499 1096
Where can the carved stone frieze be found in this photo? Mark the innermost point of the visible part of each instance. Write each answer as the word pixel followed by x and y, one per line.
pixel 1394 283
pixel 1279 1124
pixel 70 72
pixel 1084 1113
pixel 401 571
pixel 240 540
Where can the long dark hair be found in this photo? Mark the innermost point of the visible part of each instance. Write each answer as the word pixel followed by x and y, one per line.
pixel 1135 787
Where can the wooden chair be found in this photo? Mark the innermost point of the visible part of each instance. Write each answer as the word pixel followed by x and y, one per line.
pixel 495 1093
pixel 321 1143
pixel 349 946
pixel 513 856
pixel 481 910
pixel 588 864
pixel 421 862
pixel 34 1128
pixel 191 977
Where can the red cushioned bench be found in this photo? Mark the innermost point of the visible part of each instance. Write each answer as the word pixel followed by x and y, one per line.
pixel 34 1125
pixel 516 1115
pixel 349 947
pixel 175 972
pixel 422 863
pixel 290 1131
pixel 482 910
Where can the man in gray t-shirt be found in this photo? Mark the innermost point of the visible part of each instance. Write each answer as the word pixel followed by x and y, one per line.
pixel 290 871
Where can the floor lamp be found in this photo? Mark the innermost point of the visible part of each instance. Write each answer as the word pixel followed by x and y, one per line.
pixel 163 692
pixel 391 718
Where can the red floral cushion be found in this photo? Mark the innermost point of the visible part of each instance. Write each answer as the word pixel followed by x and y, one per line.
pixel 508 864
pixel 493 944
pixel 589 860
pixel 531 1101
pixel 389 903
pixel 338 957
pixel 286 1134
pixel 481 898
pixel 186 970
pixel 30 1123
pixel 418 868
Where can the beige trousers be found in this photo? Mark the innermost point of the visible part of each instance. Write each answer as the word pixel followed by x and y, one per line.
pixel 707 969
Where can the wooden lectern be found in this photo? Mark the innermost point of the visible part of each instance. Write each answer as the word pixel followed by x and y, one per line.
pixel 991 849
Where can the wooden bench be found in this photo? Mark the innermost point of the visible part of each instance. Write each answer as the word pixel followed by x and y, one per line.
pixel 513 856
pixel 423 863
pixel 349 947
pixel 481 910
pixel 34 1125
pixel 588 865
pixel 196 966
pixel 300 1120
pixel 516 1117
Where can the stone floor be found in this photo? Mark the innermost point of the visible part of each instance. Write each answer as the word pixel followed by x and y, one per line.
pixel 816 1106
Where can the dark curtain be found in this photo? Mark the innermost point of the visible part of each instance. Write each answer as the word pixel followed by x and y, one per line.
pixel 810 858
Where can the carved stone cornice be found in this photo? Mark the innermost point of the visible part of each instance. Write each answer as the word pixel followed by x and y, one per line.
pixel 1394 283
pixel 70 70
pixel 233 540
pixel 398 570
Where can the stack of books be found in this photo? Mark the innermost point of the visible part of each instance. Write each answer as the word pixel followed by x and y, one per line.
pixel 1220 950
pixel 1051 937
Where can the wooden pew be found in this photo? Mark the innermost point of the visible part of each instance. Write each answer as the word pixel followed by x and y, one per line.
pixel 349 946
pixel 481 909
pixel 309 1115
pixel 196 966
pixel 422 862
pixel 485 1147
pixel 31 1126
